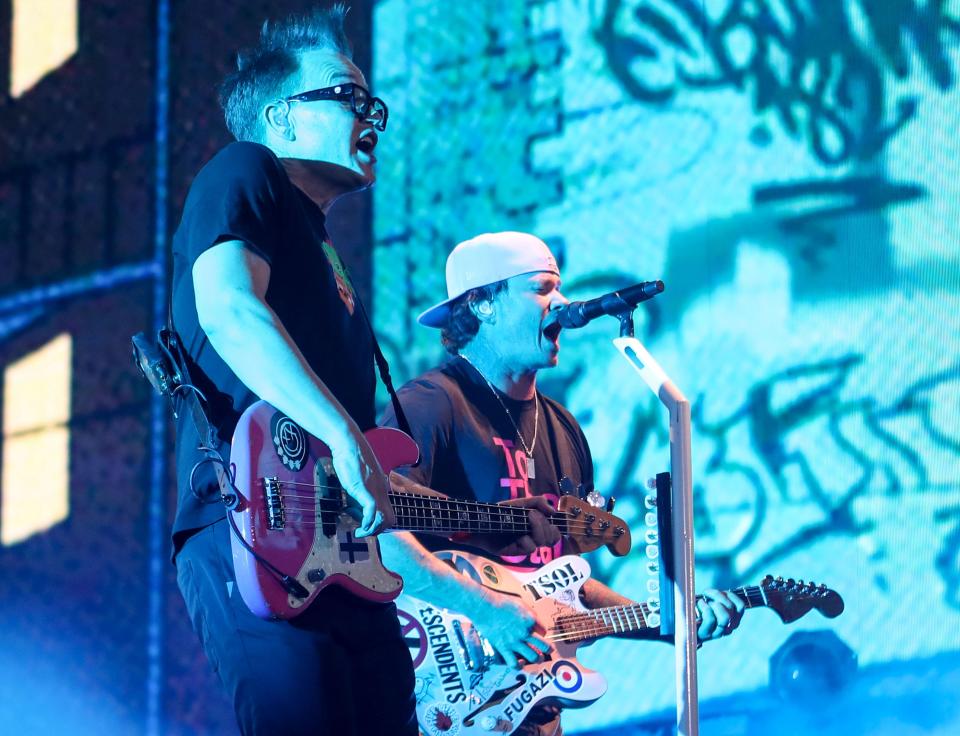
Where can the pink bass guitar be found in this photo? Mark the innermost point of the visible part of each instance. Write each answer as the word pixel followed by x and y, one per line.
pixel 465 688
pixel 295 535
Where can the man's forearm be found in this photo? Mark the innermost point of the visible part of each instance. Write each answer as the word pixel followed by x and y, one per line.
pixel 426 577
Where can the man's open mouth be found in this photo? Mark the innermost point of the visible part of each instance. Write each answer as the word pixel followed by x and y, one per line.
pixel 551 330
pixel 367 142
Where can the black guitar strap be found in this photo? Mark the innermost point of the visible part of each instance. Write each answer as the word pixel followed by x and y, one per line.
pixel 164 364
pixel 383 367
pixel 169 339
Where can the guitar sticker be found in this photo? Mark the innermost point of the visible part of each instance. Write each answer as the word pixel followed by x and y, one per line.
pixel 414 636
pixel 441 719
pixel 423 688
pixel 351 550
pixel 554 581
pixel 566 677
pixel 490 574
pixel 289 440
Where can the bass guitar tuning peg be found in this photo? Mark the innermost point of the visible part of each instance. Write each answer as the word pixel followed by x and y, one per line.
pixel 611 502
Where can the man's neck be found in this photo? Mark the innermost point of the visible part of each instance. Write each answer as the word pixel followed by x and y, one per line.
pixel 520 384
pixel 322 182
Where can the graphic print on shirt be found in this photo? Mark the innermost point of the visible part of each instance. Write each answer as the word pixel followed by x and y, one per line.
pixel 518 484
pixel 344 287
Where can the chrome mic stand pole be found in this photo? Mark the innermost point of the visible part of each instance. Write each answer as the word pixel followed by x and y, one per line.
pixel 682 574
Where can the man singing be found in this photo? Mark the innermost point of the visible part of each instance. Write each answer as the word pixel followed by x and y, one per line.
pixel 266 310
pixel 486 433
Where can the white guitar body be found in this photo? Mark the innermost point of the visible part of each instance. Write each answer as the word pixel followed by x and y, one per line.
pixel 463 688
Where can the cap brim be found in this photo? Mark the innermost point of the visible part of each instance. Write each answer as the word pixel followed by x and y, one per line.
pixel 437 315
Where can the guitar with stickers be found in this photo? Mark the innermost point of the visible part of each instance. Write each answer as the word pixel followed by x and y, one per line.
pixel 293 524
pixel 464 687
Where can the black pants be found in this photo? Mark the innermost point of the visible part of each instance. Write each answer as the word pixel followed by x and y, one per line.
pixel 341 668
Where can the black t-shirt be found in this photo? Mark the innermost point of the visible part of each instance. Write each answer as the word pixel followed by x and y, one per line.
pixel 469 448
pixel 244 194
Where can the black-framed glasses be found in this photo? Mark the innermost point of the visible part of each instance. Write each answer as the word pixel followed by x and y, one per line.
pixel 369 109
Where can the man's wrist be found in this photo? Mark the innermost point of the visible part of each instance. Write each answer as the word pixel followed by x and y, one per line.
pixel 344 436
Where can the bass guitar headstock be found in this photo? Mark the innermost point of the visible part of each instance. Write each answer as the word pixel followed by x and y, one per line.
pixel 588 527
pixel 793 599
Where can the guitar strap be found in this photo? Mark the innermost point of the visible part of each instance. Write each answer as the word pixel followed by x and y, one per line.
pixel 383 368
pixel 563 463
pixel 180 387
pixel 206 431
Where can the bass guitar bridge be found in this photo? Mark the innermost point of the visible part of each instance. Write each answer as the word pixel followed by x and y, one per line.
pixel 274 503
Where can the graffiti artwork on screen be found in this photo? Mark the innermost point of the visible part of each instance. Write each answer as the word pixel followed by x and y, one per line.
pixel 804 156
pixel 819 71
pixel 818 67
pixel 732 497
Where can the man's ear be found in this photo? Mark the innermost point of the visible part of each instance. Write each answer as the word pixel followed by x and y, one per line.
pixel 276 116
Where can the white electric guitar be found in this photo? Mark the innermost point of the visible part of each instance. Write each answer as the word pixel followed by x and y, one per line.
pixel 465 688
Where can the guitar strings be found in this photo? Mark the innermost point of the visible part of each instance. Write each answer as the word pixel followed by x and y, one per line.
pixel 405 497
pixel 493 528
pixel 521 524
pixel 748 592
pixel 408 502
pixel 596 623
pixel 592 624
pixel 402 497
pixel 597 626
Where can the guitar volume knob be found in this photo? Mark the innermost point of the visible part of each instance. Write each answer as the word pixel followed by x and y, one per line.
pixel 488 723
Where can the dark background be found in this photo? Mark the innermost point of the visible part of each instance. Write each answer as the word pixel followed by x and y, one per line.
pixel 97 640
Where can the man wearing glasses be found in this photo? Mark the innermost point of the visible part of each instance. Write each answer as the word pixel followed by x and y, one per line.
pixel 266 310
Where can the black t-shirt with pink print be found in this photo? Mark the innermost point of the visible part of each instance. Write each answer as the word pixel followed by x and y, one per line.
pixel 470 449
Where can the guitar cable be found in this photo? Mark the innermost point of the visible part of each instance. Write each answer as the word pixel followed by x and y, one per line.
pixel 165 366
pixel 231 500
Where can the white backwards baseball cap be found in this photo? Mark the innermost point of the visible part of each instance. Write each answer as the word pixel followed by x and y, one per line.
pixel 486 259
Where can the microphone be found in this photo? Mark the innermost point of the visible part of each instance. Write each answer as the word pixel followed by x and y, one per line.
pixel 578 314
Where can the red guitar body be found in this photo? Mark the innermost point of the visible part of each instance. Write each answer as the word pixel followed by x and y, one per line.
pixel 292 513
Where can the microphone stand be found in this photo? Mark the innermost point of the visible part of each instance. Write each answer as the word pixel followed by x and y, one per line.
pixel 680 535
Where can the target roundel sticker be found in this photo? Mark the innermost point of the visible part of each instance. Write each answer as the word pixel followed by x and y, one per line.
pixel 567 677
